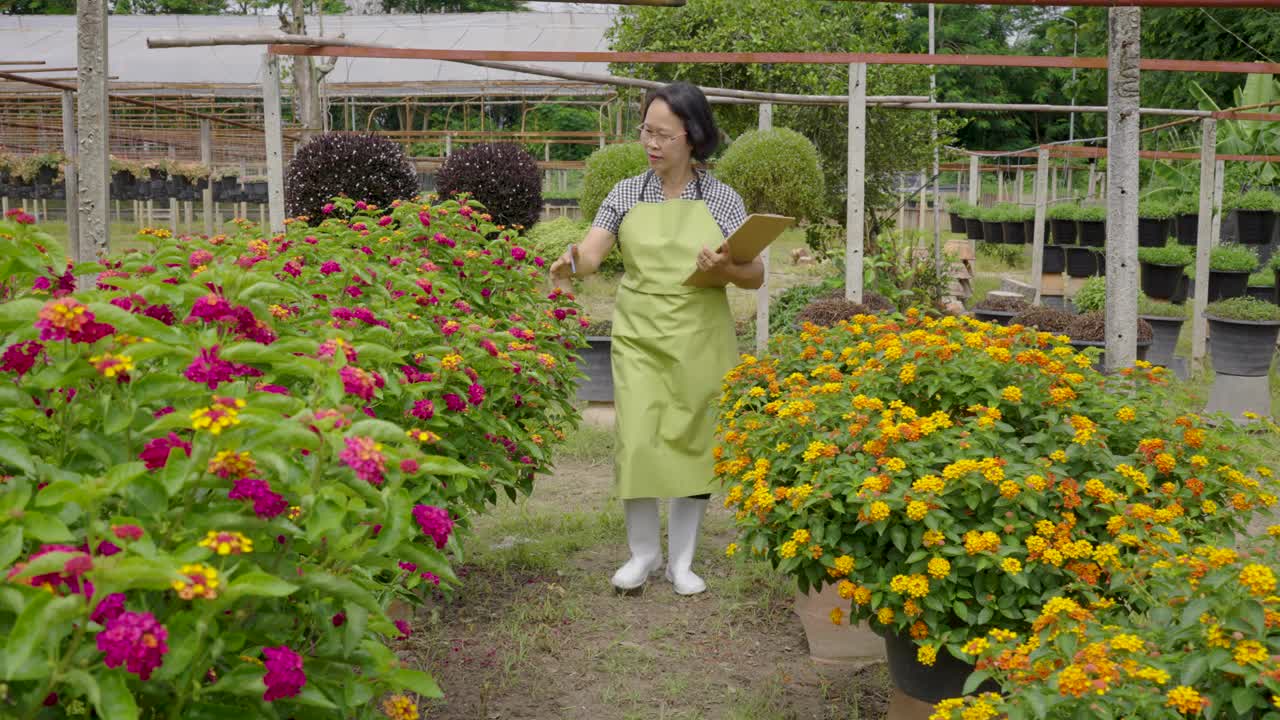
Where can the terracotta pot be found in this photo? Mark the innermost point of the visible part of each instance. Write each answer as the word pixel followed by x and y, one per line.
pixel 832 644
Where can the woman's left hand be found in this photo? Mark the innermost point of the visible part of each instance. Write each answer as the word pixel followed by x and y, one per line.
pixel 714 261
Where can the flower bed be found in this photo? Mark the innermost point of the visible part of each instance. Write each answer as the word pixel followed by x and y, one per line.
pixel 221 465
pixel 950 476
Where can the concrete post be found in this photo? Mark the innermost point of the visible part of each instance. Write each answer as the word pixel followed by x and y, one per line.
pixel 1042 213
pixel 975 181
pixel 275 140
pixel 762 295
pixel 206 159
pixel 856 191
pixel 1209 217
pixel 92 120
pixel 69 149
pixel 1122 186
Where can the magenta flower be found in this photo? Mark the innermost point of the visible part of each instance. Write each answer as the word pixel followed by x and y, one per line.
pixel 108 609
pixel 160 312
pixel 465 211
pixel 68 319
pixel 210 308
pixel 364 455
pixel 409 466
pixel 521 333
pixel 212 370
pixel 127 532
pixel 353 291
pixel 327 209
pixel 435 523
pixel 362 205
pixel 454 403
pixel 519 253
pixel 20 357
pixel 266 502
pixel 414 375
pixel 424 218
pixel 384 221
pixel 489 347
pixel 199 257
pixel 475 394
pixel 136 640
pixel 41 283
pixel 284 676
pixel 330 267
pixel 155 454
pixel 442 239
pixel 339 619
pixel 359 382
pixel 404 628
pixel 423 410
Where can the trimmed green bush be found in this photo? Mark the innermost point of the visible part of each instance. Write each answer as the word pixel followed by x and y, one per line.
pixel 1092 295
pixel 1257 200
pixel 605 168
pixel 1244 308
pixel 1233 258
pixel 775 171
pixel 550 239
pixel 501 176
pixel 1170 254
pixel 1155 210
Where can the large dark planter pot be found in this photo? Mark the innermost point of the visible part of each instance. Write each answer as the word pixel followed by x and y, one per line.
pixel 1093 234
pixel 1242 347
pixel 1081 262
pixel 996 316
pixel 596 364
pixel 973 228
pixel 1261 292
pixel 931 684
pixel 1030 230
pixel 993 232
pixel 1164 338
pixel 1015 233
pixel 1188 229
pixel 1152 233
pixel 1255 226
pixel 1064 232
pixel 1275 296
pixel 1161 281
pixel 1055 259
pixel 45 175
pixel 42 191
pixel 957 223
pixel 257 191
pixel 1224 284
pixel 1101 362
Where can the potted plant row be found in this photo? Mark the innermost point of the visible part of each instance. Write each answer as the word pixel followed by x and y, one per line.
pixel 1230 266
pixel 1154 218
pixel 1186 212
pixel 33 176
pixel 955 208
pixel 1242 335
pixel 1255 213
pixel 1163 269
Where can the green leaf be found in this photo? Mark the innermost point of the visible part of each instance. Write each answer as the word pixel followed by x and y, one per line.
pixel 429 559
pixel 10 544
pixel 251 352
pixel 26 632
pixel 379 430
pixel 1038 703
pixel 415 681
pixel 342 588
pixel 354 631
pixel 974 680
pixel 1243 699
pixel 13 452
pixel 439 465
pixel 259 584
pixel 117 702
pixel 126 573
pixel 86 684
pixel 310 695
pixel 45 528
pixel 19 313
pixel 961 610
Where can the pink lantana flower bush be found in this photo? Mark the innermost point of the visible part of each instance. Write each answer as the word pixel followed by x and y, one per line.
pixel 223 458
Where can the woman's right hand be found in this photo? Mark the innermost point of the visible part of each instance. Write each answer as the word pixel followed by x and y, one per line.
pixel 564 267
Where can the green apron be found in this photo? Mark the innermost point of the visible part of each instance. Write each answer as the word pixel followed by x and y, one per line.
pixel 672 346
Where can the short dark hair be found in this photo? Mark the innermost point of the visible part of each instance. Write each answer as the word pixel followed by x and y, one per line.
pixel 691 106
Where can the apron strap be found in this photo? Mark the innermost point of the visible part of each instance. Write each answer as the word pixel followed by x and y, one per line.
pixel 648 175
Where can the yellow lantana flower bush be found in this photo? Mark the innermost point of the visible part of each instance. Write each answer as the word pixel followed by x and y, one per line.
pixel 951 476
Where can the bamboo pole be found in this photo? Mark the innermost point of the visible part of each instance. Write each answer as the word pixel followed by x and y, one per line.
pixel 1042 212
pixel 1124 26
pixel 1204 237
pixel 855 193
pixel 762 294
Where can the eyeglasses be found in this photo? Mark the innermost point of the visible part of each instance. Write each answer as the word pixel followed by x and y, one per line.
pixel 646 135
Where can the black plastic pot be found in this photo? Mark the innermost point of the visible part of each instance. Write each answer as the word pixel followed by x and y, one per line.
pixel 1030 230
pixel 1265 293
pixel 1184 290
pixel 1092 233
pixel 996 316
pixel 973 228
pixel 1275 297
pixel 595 363
pixel 1242 347
pixel 957 223
pixel 993 232
pixel 1225 284
pixel 1255 226
pixel 45 175
pixel 1164 338
pixel 1152 233
pixel 257 191
pixel 1014 233
pixel 1064 232
pixel 1100 363
pixel 1188 229
pixel 1161 281
pixel 1081 262
pixel 928 683
pixel 1055 259
pixel 42 191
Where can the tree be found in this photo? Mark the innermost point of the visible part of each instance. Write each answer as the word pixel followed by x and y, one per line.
pixel 897 141
pixel 40 7
pixel 451 6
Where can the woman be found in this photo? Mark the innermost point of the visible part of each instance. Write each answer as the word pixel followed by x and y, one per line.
pixel 672 344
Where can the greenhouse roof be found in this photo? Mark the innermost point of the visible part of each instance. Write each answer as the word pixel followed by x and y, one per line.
pixel 237 70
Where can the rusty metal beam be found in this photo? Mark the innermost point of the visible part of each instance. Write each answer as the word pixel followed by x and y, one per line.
pixel 1103 3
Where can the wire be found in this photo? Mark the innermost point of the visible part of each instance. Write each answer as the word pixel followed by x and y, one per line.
pixel 1237 37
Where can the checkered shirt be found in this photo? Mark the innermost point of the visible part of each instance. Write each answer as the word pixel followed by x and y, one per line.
pixel 723 201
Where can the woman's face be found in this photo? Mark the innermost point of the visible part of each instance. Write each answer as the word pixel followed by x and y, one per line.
pixel 664 138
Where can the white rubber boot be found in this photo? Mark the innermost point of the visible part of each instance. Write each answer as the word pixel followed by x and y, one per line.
pixel 683 523
pixel 643 536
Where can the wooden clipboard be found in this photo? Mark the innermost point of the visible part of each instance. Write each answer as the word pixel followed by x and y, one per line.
pixel 747 242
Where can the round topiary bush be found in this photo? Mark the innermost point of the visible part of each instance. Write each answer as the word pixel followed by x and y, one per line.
pixel 605 168
pixel 775 171
pixel 361 167
pixel 501 176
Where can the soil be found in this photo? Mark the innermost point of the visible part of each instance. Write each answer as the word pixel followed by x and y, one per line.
pixel 524 644
pixel 1003 304
pixel 830 311
pixel 1045 319
pixel 1092 327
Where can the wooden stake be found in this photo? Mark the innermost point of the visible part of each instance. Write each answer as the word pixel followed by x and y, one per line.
pixel 762 294
pixel 1042 212
pixel 1122 187
pixel 275 141
pixel 856 192
pixel 173 216
pixel 1204 236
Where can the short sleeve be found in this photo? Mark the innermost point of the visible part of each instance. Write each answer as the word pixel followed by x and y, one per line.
pixel 609 216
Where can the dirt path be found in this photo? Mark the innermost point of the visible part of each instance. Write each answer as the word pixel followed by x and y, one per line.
pixel 538 632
